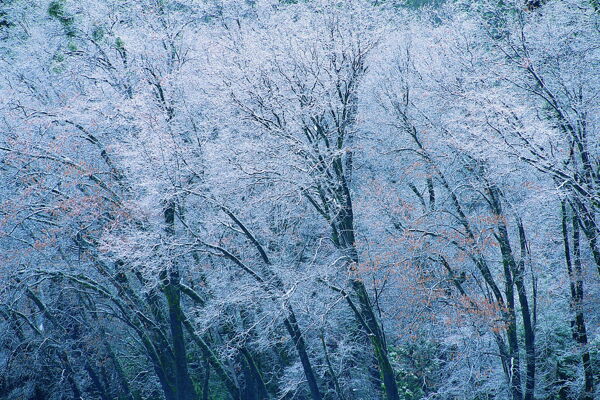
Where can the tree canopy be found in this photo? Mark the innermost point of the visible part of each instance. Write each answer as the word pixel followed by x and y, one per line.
pixel 313 199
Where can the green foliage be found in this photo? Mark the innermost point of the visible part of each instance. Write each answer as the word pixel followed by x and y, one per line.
pixel 56 10
pixel 5 21
pixel 416 365
pixel 411 4
pixel 5 18
pixel 559 361
pixel 98 33
pixel 58 60
pixel 422 3
pixel 594 349
pixel 119 43
pixel 409 385
pixel 58 57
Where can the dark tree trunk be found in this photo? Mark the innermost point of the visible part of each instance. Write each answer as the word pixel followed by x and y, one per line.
pixel 184 388
pixel 576 284
pixel 347 243
pixel 528 326
pixel 292 327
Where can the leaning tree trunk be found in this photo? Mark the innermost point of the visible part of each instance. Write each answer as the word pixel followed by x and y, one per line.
pixel 346 240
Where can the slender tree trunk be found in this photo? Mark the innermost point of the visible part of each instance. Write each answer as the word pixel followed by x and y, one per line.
pixel 206 379
pixel 184 387
pixel 575 276
pixel 62 354
pixel 334 378
pixel 261 388
pixel 375 332
pixel 215 363
pixel 292 327
pixel 153 339
pixel 513 343
pixel 272 284
pixel 510 270
pixel 376 336
pixel 183 383
pixel 586 217
pixel 96 381
pixel 528 326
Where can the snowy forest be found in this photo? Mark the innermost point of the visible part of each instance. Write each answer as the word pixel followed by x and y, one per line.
pixel 299 199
